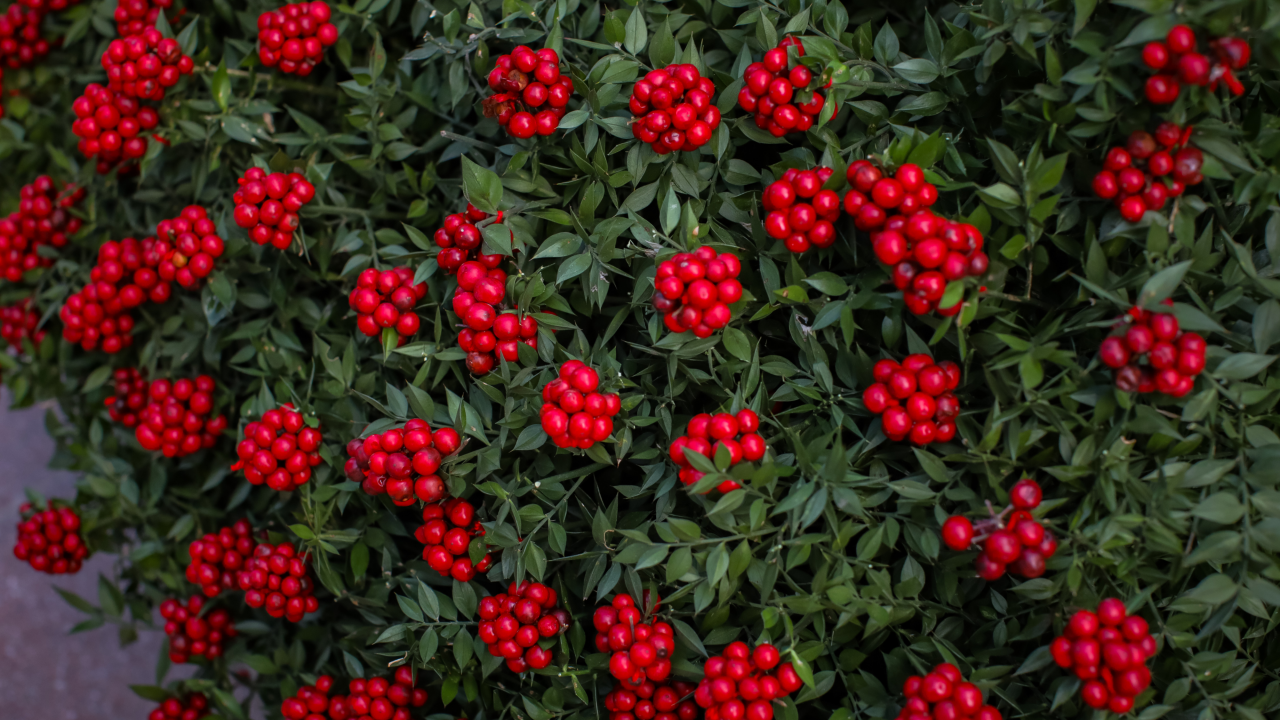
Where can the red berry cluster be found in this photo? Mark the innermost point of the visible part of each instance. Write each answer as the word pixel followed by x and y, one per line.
pixel 217 557
pixel 21 43
pixel 1177 63
pixel 672 109
pixel 944 695
pixel 1171 166
pixel 130 396
pixel 402 463
pixel 49 540
pixel 782 95
pixel 98 313
pixel 374 699
pixel 923 251
pixel 176 418
pixel 736 433
pixel 459 240
pixel 386 300
pixel 192 707
pixel 279 450
pixel 193 633
pixel 135 16
pixel 447 535
pixel 639 651
pixel 738 684
pixel 915 399
pixel 19 322
pixel 276 578
pixel 651 701
pixel 573 413
pixel 1109 650
pixel 143 66
pixel 267 205
pixel 519 96
pixel 1019 543
pixel 514 623
pixel 42 218
pixel 486 333
pixel 294 37
pixel 110 126
pixel 875 196
pixel 695 290
pixel 1173 358
pixel 801 213
pixel 190 245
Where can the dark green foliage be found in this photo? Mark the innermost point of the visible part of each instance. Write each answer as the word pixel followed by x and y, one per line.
pixel 832 552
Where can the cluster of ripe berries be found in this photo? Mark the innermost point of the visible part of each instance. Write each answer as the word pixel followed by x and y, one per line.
pixel 110 126
pixel 402 463
pixel 217 557
pixel 801 213
pixel 130 396
pixel 1177 63
pixel 514 623
pixel 189 245
pixel 130 272
pixel 922 250
pixel 386 300
pixel 672 109
pixel 875 197
pixel 1173 358
pixel 267 205
pixel 1171 165
pixel 21 43
pixel 373 699
pixel 42 218
pixel 459 240
pixel 738 684
pixel 276 578
pixel 135 16
pixel 486 333
pixel 695 290
pixel 735 433
pixel 447 535
pixel 651 701
pixel 915 399
pixel 49 540
pixel 193 634
pixel 780 94
pixel 143 66
pixel 573 413
pixel 638 651
pixel 19 322
pixel 279 450
pixel 127 273
pixel 1109 650
pixel 524 82
pixel 176 419
pixel 191 707
pixel 944 695
pixel 294 37
pixel 1019 543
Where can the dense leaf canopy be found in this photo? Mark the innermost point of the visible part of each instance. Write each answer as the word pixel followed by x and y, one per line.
pixel 831 550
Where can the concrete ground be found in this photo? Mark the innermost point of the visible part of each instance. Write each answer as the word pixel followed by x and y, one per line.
pixel 44 672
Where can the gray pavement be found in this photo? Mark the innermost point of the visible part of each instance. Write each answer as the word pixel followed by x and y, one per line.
pixel 44 672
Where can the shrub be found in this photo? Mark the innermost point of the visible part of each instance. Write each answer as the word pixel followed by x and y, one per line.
pixel 1158 489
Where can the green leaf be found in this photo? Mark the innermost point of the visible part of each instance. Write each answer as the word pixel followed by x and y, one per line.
pixel 220 86
pixel 637 32
pixel 482 186
pixel 917 70
pixel 1162 285
pixel 1243 366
